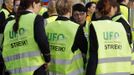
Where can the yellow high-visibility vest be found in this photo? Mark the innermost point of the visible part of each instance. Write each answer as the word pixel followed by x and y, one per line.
pixel 21 53
pixel 61 36
pixel 114 53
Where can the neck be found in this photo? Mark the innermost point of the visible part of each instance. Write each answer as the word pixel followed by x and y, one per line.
pixel 67 15
pixel 109 15
pixel 89 13
pixel 124 3
pixel 52 14
pixel 30 9
pixel 8 8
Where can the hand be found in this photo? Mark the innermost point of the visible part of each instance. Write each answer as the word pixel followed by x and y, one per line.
pixel 46 66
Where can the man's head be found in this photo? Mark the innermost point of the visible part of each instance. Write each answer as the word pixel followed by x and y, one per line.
pixel 79 13
pixel 9 4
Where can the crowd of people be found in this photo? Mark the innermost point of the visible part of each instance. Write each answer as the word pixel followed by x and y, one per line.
pixel 66 38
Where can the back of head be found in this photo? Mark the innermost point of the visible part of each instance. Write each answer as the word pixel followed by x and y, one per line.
pixel 25 4
pixel 63 6
pixel 125 2
pixel 120 1
pixel 52 7
pixel 79 7
pixel 104 6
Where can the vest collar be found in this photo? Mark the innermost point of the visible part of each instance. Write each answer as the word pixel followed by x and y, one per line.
pixel 62 18
pixel 4 7
pixel 116 15
pixel 124 5
pixel 24 12
pixel 104 18
pixel 30 10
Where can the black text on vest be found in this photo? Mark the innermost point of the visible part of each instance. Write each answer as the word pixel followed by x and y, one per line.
pixel 112 41
pixel 57 41
pixel 17 38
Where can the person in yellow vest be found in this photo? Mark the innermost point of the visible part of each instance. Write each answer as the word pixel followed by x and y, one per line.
pixel 11 16
pixel 5 10
pixel 110 52
pixel 90 9
pixel 52 11
pixel 123 7
pixel 66 41
pixel 119 17
pixel 79 17
pixel 25 45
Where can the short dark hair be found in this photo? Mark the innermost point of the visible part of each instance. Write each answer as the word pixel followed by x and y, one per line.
pixel 24 4
pixel 89 4
pixel 79 7
pixel 120 1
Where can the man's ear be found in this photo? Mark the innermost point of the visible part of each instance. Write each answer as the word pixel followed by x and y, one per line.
pixel 33 5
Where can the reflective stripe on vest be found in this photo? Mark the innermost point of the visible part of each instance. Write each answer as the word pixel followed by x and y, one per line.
pixel 22 55
pixel 114 50
pixel 133 62
pixel 65 62
pixel 76 72
pixel 115 59
pixel 118 73
pixel 25 69
pixel 132 29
